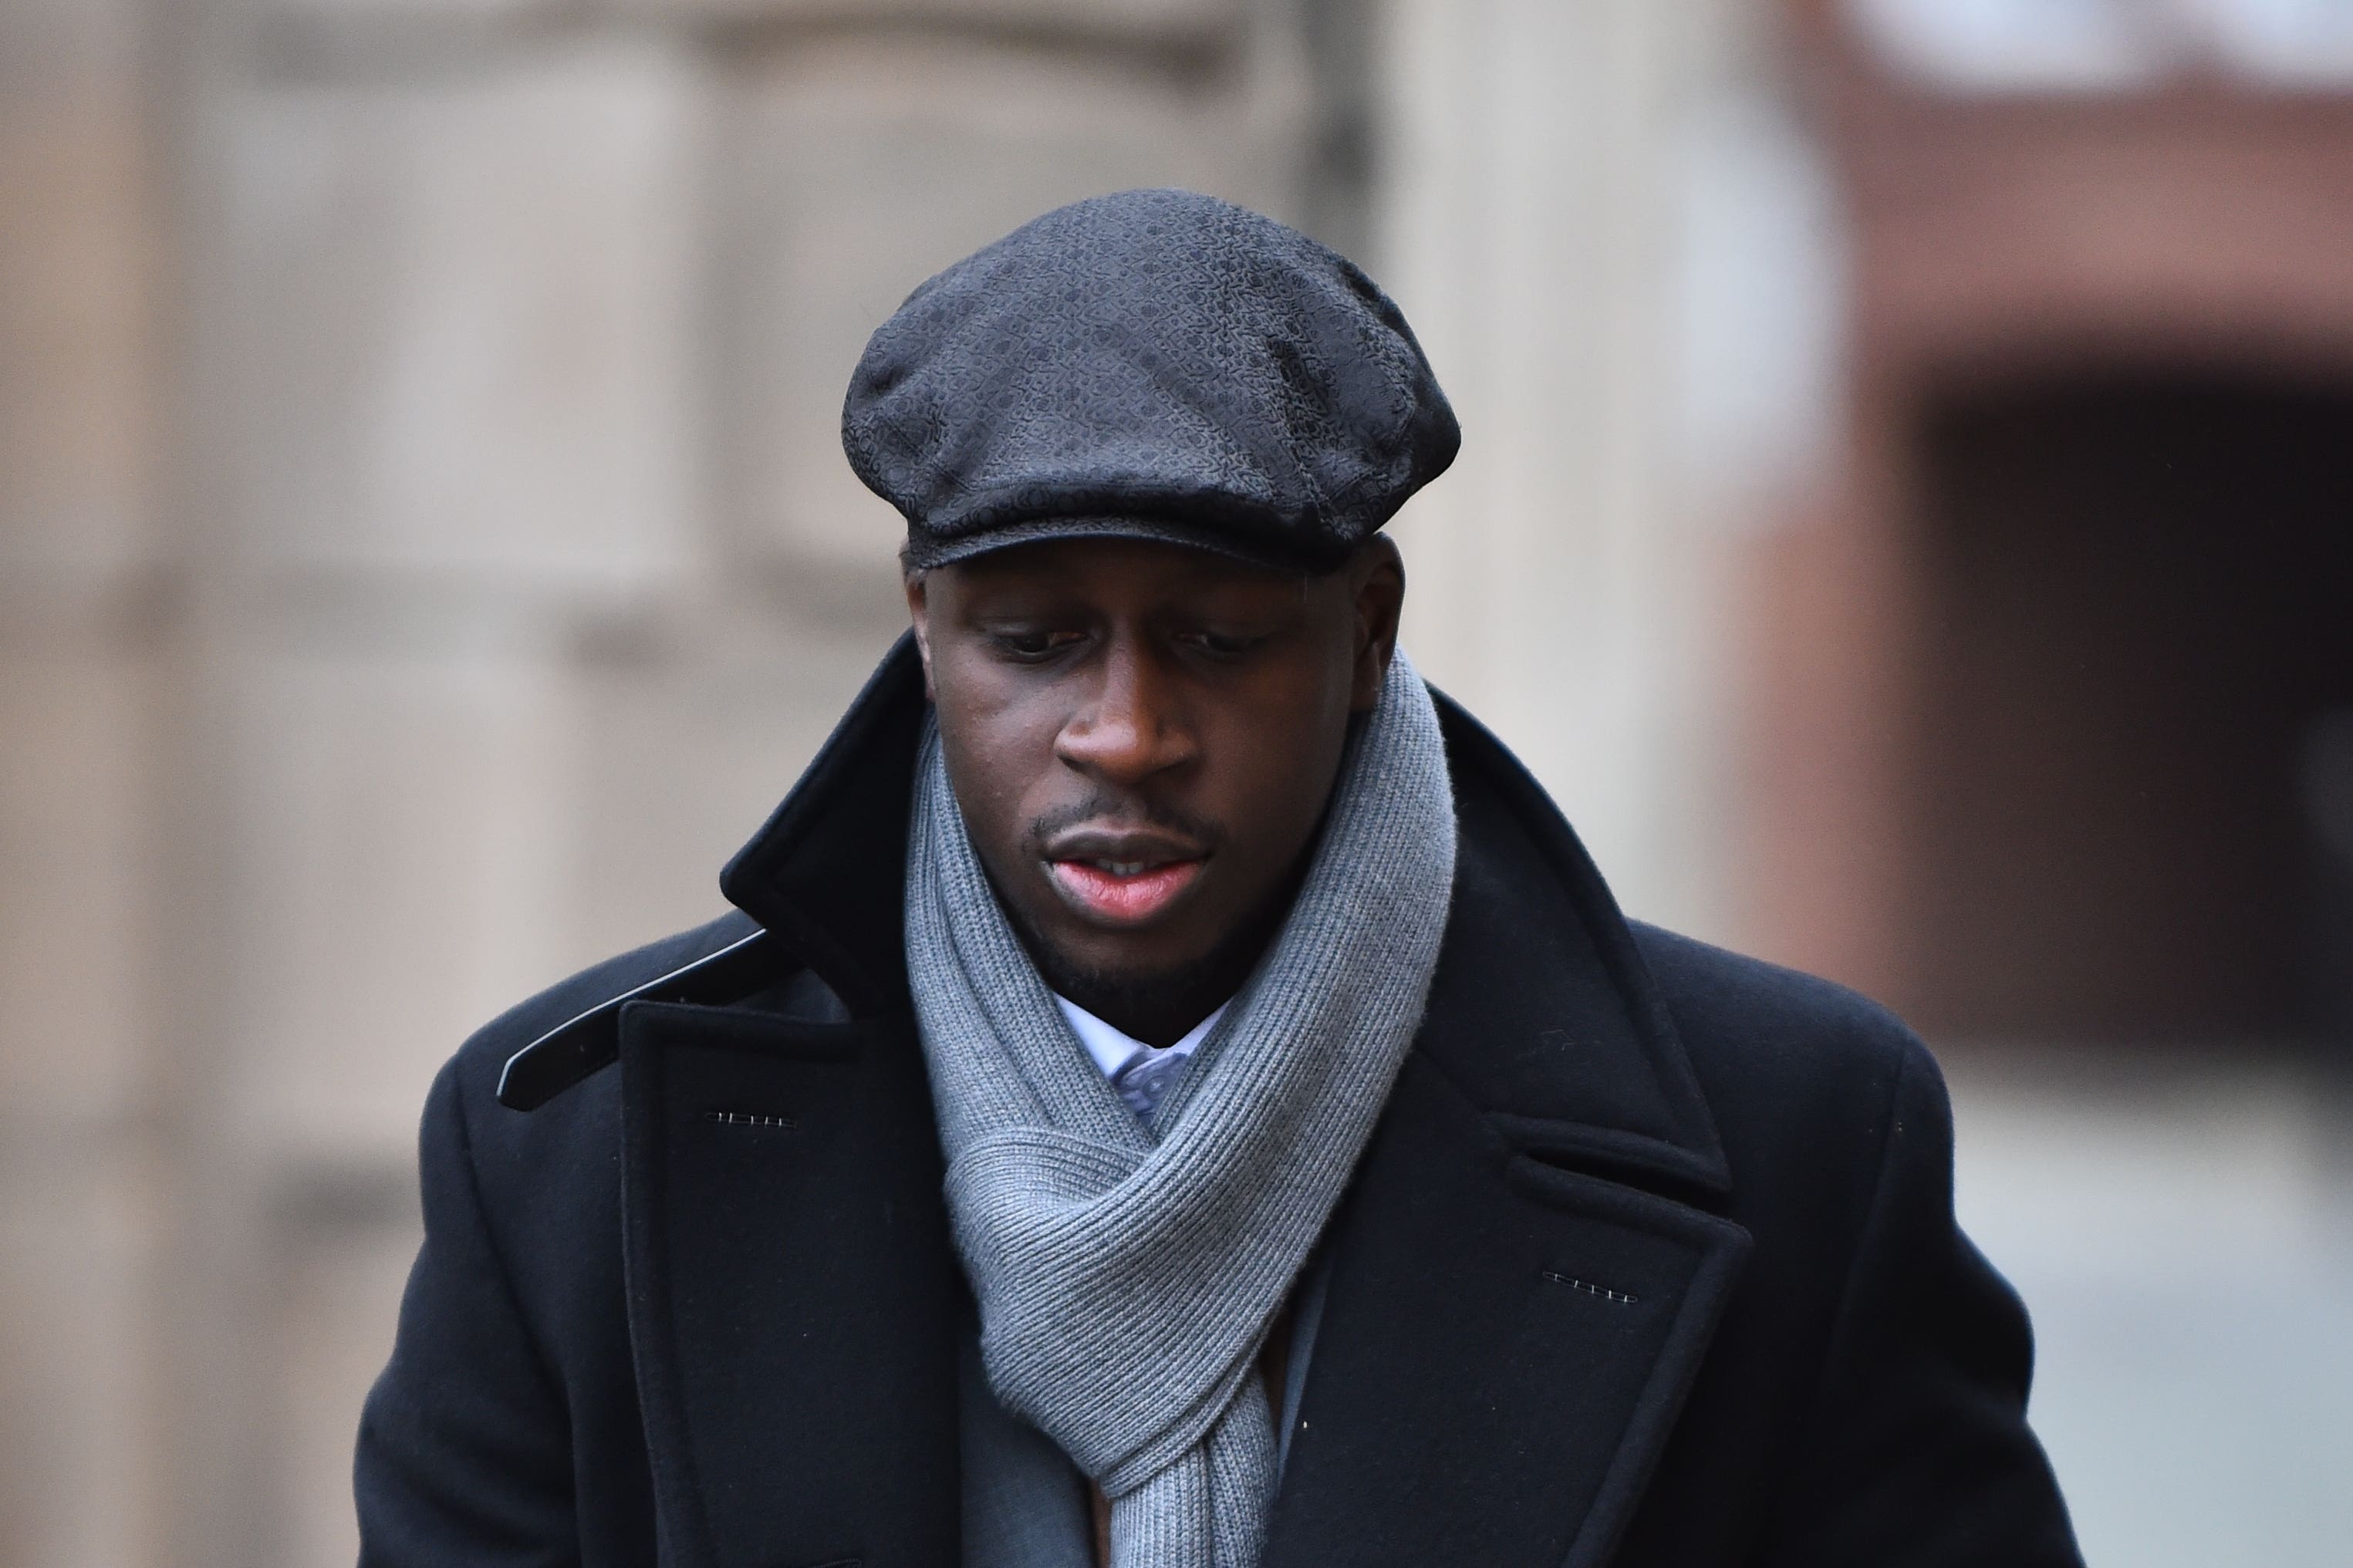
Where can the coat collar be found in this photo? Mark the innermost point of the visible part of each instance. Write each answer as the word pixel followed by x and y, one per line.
pixel 1575 1055
pixel 1577 1052
pixel 825 872
pixel 1525 1275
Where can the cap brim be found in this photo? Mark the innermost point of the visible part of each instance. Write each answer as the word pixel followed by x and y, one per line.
pixel 925 551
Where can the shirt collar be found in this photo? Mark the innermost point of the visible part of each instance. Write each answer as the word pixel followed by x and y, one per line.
pixel 1112 1049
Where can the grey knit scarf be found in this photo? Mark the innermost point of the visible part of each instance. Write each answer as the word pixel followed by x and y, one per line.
pixel 1125 1276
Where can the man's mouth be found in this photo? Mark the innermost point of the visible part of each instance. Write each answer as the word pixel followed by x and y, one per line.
pixel 1127 892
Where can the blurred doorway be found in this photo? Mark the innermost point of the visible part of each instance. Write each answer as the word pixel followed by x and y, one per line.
pixel 2134 642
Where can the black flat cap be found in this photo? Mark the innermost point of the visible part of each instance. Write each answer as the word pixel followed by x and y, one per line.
pixel 1155 364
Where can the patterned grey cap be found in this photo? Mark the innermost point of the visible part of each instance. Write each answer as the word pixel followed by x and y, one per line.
pixel 1154 365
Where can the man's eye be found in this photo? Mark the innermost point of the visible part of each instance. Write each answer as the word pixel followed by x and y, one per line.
pixel 1026 643
pixel 1223 645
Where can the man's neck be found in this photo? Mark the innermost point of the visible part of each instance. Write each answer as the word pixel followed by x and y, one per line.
pixel 1158 1015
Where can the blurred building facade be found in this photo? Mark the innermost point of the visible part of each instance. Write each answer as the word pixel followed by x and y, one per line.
pixel 2055 651
pixel 425 549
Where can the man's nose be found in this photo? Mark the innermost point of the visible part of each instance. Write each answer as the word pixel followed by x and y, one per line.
pixel 1133 726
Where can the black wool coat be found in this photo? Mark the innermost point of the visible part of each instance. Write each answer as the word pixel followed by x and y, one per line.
pixel 1650 1260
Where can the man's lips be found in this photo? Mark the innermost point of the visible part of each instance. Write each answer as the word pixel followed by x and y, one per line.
pixel 1123 892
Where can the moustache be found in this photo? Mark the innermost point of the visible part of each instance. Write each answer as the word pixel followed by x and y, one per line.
pixel 1106 809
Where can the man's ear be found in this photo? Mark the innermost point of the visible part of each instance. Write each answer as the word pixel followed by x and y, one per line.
pixel 919 615
pixel 1378 580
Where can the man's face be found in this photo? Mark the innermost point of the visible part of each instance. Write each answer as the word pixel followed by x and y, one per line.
pixel 1143 737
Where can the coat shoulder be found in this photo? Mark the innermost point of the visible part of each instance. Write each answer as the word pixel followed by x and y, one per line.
pixel 540 1191
pixel 526 1162
pixel 1792 1064
pixel 1872 1371
pixel 1717 995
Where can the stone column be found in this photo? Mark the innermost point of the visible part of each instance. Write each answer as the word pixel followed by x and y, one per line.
pixel 442 394
pixel 1594 215
pixel 86 606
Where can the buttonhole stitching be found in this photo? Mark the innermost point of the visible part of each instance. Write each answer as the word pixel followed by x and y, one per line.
pixel 1574 1283
pixel 750 1118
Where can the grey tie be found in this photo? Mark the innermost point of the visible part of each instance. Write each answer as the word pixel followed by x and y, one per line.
pixel 1144 1079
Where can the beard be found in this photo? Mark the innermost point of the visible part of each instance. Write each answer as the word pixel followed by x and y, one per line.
pixel 1159 1007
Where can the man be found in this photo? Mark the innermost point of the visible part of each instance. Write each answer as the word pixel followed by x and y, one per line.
pixel 1173 1091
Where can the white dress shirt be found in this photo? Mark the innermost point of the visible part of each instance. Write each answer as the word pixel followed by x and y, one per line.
pixel 1140 1074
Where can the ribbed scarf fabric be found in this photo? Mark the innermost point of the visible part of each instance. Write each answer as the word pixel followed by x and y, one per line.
pixel 1126 1277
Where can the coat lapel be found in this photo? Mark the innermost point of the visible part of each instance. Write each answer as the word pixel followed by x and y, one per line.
pixel 793 1297
pixel 1503 1349
pixel 1526 1273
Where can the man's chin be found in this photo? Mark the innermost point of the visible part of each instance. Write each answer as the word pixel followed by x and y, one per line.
pixel 1137 984
pixel 1157 979
pixel 1099 967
